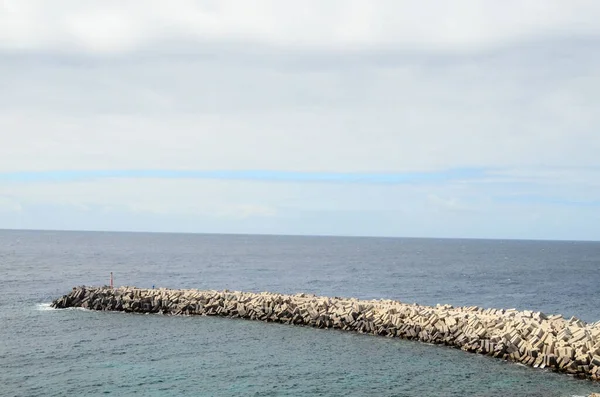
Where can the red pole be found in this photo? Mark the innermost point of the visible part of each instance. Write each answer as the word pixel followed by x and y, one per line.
pixel 111 280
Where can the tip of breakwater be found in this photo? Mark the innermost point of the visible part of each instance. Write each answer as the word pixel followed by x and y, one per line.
pixel 531 338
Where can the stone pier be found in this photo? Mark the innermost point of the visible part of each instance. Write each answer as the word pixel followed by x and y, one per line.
pixel 531 338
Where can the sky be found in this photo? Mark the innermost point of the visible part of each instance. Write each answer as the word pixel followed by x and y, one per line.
pixel 429 118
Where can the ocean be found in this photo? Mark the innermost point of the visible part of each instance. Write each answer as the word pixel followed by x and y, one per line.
pixel 47 352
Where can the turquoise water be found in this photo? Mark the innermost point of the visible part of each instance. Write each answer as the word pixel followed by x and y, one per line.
pixel 46 352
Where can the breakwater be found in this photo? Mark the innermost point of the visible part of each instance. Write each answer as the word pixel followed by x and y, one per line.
pixel 531 338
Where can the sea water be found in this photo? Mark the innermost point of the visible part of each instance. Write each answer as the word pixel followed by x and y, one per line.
pixel 46 352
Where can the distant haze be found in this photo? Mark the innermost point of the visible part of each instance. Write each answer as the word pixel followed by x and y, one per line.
pixel 470 118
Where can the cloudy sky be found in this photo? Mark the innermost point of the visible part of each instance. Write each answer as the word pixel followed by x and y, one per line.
pixel 431 118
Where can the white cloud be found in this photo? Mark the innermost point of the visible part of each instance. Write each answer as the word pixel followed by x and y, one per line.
pixel 447 204
pixel 248 211
pixel 185 197
pixel 9 204
pixel 435 210
pixel 519 108
pixel 344 86
pixel 374 107
pixel 114 26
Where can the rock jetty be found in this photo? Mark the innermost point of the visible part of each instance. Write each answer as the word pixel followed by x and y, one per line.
pixel 531 338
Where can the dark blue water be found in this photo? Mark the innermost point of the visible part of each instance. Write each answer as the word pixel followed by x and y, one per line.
pixel 75 352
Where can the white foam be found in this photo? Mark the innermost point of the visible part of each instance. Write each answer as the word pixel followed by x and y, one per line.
pixel 47 306
pixel 77 308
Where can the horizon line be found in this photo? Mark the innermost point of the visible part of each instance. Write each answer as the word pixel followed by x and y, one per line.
pixel 298 235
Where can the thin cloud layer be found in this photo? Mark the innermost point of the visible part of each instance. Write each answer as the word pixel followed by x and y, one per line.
pixel 116 26
pixel 522 107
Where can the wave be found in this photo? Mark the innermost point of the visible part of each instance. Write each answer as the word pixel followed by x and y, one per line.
pixel 47 306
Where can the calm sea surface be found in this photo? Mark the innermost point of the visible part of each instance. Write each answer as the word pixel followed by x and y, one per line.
pixel 46 352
